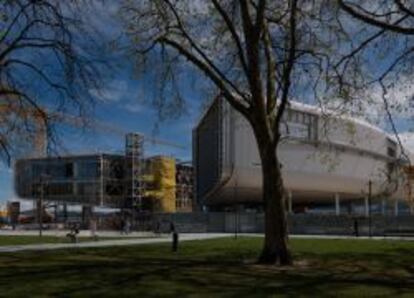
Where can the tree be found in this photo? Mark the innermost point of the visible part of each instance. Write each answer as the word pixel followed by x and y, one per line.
pixel 48 63
pixel 389 39
pixel 257 54
pixel 392 15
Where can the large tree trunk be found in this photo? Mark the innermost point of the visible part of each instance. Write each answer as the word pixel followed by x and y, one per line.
pixel 275 249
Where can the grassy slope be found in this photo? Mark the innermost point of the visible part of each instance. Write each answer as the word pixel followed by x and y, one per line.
pixel 224 267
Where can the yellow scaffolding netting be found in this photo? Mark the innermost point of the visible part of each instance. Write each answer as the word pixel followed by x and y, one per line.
pixel 160 179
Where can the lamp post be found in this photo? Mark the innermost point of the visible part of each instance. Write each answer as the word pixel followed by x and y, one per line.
pixel 369 207
pixel 39 206
pixel 236 222
pixel 40 203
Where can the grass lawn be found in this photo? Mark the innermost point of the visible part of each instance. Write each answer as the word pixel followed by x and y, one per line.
pixel 24 240
pixel 211 268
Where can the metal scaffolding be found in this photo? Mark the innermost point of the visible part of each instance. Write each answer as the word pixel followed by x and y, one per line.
pixel 134 155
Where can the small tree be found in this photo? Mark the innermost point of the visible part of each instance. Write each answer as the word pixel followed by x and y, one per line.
pixel 253 53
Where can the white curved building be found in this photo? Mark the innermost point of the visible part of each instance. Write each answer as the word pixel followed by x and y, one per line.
pixel 325 159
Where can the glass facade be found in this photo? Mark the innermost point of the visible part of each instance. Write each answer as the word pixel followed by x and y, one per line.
pixel 87 169
pixel 73 179
pixel 299 125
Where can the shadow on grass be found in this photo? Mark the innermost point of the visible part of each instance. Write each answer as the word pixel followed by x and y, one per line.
pixel 217 269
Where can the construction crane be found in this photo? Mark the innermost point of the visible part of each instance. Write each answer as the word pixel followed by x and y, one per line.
pixel 40 117
pixel 107 128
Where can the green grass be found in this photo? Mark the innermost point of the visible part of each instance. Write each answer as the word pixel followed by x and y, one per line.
pixel 25 240
pixel 211 268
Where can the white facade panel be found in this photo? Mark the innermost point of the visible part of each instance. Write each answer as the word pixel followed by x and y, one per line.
pixel 320 156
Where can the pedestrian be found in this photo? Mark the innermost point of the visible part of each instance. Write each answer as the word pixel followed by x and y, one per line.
pixel 93 228
pixel 356 232
pixel 127 226
pixel 174 237
pixel 122 225
pixel 158 228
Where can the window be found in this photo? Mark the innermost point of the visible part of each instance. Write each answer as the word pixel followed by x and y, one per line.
pixel 56 189
pixel 69 170
pixel 88 189
pixel 88 169
pixel 300 125
pixel 391 148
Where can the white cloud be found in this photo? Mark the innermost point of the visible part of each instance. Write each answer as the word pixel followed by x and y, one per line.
pixel 407 138
pixel 371 106
pixel 133 107
pixel 114 92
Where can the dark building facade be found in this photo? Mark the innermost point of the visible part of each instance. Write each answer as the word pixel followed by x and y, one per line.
pixel 99 180
pixel 89 179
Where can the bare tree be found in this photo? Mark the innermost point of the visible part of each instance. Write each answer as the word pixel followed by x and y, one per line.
pixel 257 54
pixel 388 39
pixel 392 15
pixel 48 62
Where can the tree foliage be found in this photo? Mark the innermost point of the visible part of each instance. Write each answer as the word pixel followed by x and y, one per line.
pixel 48 63
pixel 385 46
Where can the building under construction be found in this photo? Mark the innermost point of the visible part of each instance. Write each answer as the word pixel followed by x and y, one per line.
pixel 158 184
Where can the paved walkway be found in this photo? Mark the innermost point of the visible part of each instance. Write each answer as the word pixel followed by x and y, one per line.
pixel 82 233
pixel 106 243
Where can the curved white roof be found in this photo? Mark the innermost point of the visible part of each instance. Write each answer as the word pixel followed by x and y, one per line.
pixel 313 109
pixel 318 111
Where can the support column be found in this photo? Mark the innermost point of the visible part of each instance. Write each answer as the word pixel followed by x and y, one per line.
pixel 396 207
pixel 290 209
pixel 337 204
pixel 383 206
pixel 65 212
pixel 366 200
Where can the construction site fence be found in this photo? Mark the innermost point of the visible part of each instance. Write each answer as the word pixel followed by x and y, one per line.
pixel 233 222
pixel 247 222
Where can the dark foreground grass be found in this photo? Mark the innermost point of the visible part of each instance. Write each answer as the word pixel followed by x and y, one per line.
pixel 211 268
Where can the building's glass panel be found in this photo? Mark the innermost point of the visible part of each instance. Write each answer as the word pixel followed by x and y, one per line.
pixel 53 189
pixel 88 189
pixel 38 170
pixel 69 170
pixel 300 125
pixel 114 188
pixel 117 170
pixel 391 148
pixel 88 169
pixel 57 170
